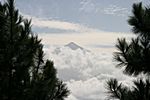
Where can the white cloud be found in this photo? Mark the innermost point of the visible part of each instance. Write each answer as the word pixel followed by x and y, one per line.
pixel 71 97
pixel 85 72
pixel 58 24
pixel 91 89
pixel 116 10
pixel 137 0
pixel 88 6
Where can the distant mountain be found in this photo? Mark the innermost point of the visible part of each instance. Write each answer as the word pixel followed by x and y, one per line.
pixel 73 46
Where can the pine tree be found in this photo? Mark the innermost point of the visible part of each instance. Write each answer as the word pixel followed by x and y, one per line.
pixel 24 72
pixel 134 57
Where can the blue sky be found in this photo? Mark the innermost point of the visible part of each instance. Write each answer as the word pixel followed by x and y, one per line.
pixel 87 22
pixel 106 15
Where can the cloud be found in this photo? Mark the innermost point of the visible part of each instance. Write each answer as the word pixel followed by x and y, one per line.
pixel 71 97
pixel 85 72
pixel 91 89
pixel 88 6
pixel 55 24
pixel 59 25
pixel 116 10
pixel 137 0
pixel 102 45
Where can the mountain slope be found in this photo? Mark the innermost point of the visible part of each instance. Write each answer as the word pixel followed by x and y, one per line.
pixel 73 46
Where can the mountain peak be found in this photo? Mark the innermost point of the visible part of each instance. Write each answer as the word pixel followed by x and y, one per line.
pixel 73 46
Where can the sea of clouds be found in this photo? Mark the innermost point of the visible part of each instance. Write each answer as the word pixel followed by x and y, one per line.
pixel 85 72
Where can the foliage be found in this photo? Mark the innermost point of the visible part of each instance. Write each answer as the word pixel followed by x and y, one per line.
pixel 24 72
pixel 134 57
pixel 140 90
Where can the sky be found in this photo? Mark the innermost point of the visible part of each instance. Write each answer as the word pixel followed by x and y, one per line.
pixel 90 23
pixel 94 25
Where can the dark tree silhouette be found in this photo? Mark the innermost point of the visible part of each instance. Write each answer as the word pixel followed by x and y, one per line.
pixel 24 72
pixel 134 56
